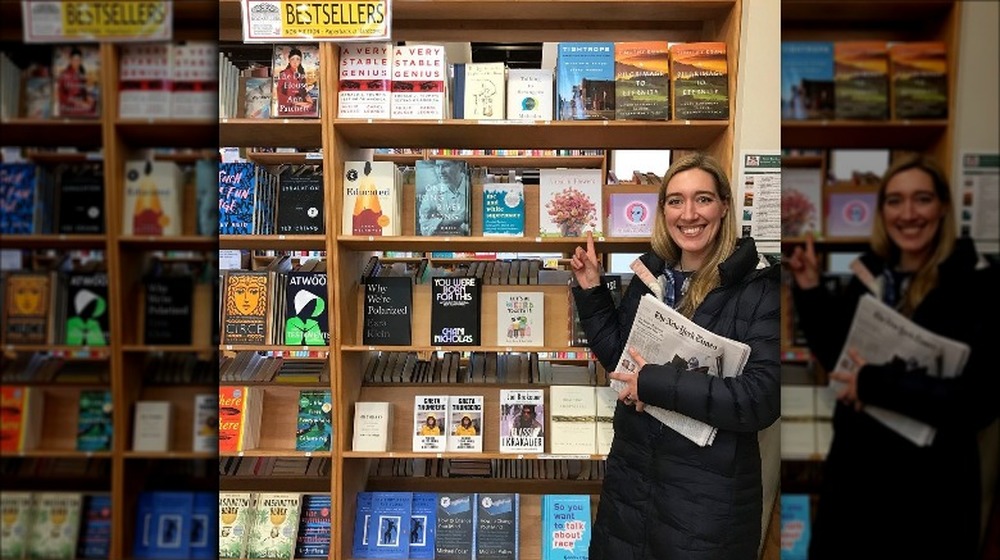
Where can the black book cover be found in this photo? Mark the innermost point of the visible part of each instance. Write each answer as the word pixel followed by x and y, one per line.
pixel 300 200
pixel 169 301
pixel 455 310
pixel 388 306
pixel 307 320
pixel 86 309
pixel 497 526
pixel 80 199
pixel 456 524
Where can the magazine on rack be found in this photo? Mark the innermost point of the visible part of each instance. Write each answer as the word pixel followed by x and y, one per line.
pixel 662 335
pixel 882 335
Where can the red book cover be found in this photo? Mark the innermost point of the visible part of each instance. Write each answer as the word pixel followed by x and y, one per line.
pixel 231 424
pixel 12 404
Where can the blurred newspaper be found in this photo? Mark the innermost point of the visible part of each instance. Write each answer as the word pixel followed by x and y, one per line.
pixel 661 335
pixel 882 335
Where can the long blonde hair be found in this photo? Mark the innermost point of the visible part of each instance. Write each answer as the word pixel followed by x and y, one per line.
pixel 706 278
pixel 926 277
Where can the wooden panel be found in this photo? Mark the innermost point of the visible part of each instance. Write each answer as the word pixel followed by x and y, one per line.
pixel 181 400
pixel 916 135
pixel 273 133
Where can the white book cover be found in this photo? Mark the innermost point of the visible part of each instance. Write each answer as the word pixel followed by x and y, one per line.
pixel 275 525
pixel 569 202
pixel 206 423
pixel 571 413
pixel 194 78
pixel 520 319
pixel 151 429
pixel 365 80
pixel 606 400
pixel 485 91
pixel 55 525
pixel 235 520
pixel 522 421
pixel 429 421
pixel 144 81
pixel 372 426
pixel 16 507
pixel 152 204
pixel 529 94
pixel 419 81
pixel 465 423
pixel 371 193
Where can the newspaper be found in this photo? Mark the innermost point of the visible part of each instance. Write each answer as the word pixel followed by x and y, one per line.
pixel 661 335
pixel 881 335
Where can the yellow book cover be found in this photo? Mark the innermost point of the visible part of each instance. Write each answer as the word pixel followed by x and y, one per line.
pixel 699 74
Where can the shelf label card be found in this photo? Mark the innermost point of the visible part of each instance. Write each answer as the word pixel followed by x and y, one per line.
pixel 84 21
pixel 267 21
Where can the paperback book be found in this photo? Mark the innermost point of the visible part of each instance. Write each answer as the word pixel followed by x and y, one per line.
pixel 529 94
pixel 26 307
pixel 387 306
pixel 274 526
pixel 465 423
pixel 456 303
pixel 372 202
pixel 77 70
pixel 365 77
pixel 389 524
pixel 307 321
pixel 423 525
pixel 236 517
pixel 314 431
pixel 642 80
pixel 503 209
pixel 80 199
pixel 17 514
pixel 55 525
pixel 631 214
pixel 372 426
pixel 430 415
pixel 456 527
pixel 295 73
pixel 443 198
pixel 300 200
pixel 522 421
pixel 520 318
pixel 86 309
pixel 313 539
pixel 17 198
pixel 498 526
pixel 94 426
pixel 566 526
pixel 569 202
pixel 94 540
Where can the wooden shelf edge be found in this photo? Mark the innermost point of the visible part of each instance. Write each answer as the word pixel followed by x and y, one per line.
pixel 469 456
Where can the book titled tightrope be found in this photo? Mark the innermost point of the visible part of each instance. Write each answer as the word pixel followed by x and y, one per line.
pixel 456 527
pixel 585 81
pixel 497 526
pixel 430 415
pixel 806 80
pixel 455 311
pixel 465 423
pixel 522 421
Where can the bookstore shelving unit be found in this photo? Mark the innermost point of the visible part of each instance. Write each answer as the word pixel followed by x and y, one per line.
pixel 350 140
pixel 121 471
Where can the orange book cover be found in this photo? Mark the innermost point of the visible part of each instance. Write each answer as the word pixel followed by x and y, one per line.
pixel 918 75
pixel 232 401
pixel 861 79
pixel 13 401
pixel 699 74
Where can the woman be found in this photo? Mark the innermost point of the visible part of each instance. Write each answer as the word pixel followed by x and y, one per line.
pixel 665 497
pixel 882 494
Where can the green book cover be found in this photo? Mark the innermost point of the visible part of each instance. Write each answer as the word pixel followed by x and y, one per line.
pixel 314 430
pixel 16 508
pixel 94 425
pixel 55 525
pixel 274 526
pixel 235 517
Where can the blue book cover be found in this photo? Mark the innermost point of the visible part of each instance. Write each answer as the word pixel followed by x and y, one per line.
pixel 497 526
pixel 456 527
pixel 17 198
pixel 362 514
pixel 503 210
pixel 142 539
pixel 585 81
pixel 94 425
pixel 94 540
pixel 807 80
pixel 566 526
pixel 237 186
pixel 204 525
pixel 206 175
pixel 170 528
pixel 423 525
pixel 313 539
pixel 442 198
pixel 314 431
pixel 795 526
pixel 388 526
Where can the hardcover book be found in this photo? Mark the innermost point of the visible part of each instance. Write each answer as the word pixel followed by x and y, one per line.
pixel 388 526
pixel 485 91
pixel 522 421
pixel 801 201
pixel 237 193
pixel 152 204
pixel 371 198
pixel 566 526
pixel 26 307
pixel 503 210
pixel 365 80
pixel 529 94
pixel 307 321
pixel 168 310
pixel 807 80
pixel 314 431
pixel 569 202
pixel 861 79
pixel 246 307
pixel 144 81
pixel 17 198
pixel 585 81
pixel 423 525
pixel 257 97
pixel 572 409
pixel 77 70
pixel 443 198
pixel 919 80
pixel 498 526
pixel 55 525
pixel 456 303
pixel 456 527
pixel 275 525
pixel 520 318
pixel 206 423
pixel 300 200
pixel 235 519
pixel 795 526
pixel 17 514
pixel 372 426
pixel 419 82
pixel 631 214
pixel 295 73
pixel 204 511
pixel 194 80
pixel 20 414
pixel 313 539
pixel 151 429
pixel 850 214
pixel 95 527
pixel 232 406
pixel 94 426
pixel 362 515
pixel 699 76
pixel 38 96
pixel 86 309
pixel 642 80
pixel 607 400
pixel 387 307
pixel 80 199
pixel 430 415
pixel 465 423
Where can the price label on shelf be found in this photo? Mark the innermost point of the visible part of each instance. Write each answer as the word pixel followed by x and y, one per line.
pixel 309 453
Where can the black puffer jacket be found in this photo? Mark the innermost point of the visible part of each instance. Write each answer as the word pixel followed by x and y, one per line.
pixel 664 497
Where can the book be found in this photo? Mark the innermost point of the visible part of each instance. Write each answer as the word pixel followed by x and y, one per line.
pixel 497 526
pixel 313 537
pixel 569 202
pixel 170 534
pixel 642 80
pixel 77 71
pixel 206 184
pixel 237 193
pixel 456 526
pixel 419 82
pixel 423 525
pixel 850 214
pixel 585 81
pixel 205 424
pixel 807 80
pixel 168 310
pixel 572 429
pixel 456 305
pixel 17 517
pixel 27 307
pixel 80 199
pixel 235 520
pixel 795 526
pixel 55 525
pixel 861 80
pixel 204 521
pixel 442 198
pixel 699 78
pixel 632 214
pixel 95 527
pixel 239 415
pixel 388 525
pixel 465 423
pixel 151 428
pixel 372 426
pixel 430 415
pixel 529 94
pixel 275 524
pixel 256 97
pixel 21 411
pixel 17 198
pixel 918 75
pixel 295 81
pixel 801 201
pixel 314 430
pixel 522 421
pixel 38 97
pixel 245 314
pixel 144 81
pixel 362 515
pixel 194 80
pixel 94 424
pixel 503 209
pixel 307 316
pixel 485 91
pixel 387 306
pixel 566 526
pixel 86 309
pixel 371 198
pixel 607 400
pixel 365 80
pixel 520 318
pixel 300 200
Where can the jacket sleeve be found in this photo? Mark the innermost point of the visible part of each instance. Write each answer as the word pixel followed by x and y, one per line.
pixel 606 327
pixel 825 319
pixel 748 402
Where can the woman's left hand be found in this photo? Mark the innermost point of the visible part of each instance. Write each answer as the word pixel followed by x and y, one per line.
pixel 848 394
pixel 630 393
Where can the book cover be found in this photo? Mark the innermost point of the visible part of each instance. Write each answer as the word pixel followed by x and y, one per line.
pixel 430 415
pixel 529 94
pixel 850 214
pixel 503 209
pixel 861 79
pixel 237 193
pixel 232 402
pixel 631 214
pixel 13 417
pixel 442 198
pixel 423 525
pixel 77 70
pixel 372 426
pixel 169 529
pixel 38 97
pixel 168 317
pixel 566 526
pixel 235 519
pixel 194 80
pixel 642 80
pixel 570 202
pixel 795 526
pixel 275 524
pixel 55 525
pixel 388 303
pixel 206 172
pixel 573 429
pixel 203 525
pixel 388 526
pixel 465 423
pixel 94 424
pixel 607 401
pixel 485 91
pixel 152 204
pixel 522 421
pixel 365 80
pixel 313 538
pixel 456 303
pixel 307 321
pixel 246 307
pixel 806 80
pixel 371 196
pixel 585 81
pixel 419 82
pixel 497 526
pixel 86 309
pixel 17 198
pixel 144 81
pixel 456 527
pixel 17 516
pixel 362 515
pixel 26 307
pixel 257 97
pixel 95 527
pixel 801 201
pixel 206 423
pixel 300 200
pixel 295 72
pixel 80 199
pixel 699 76
pixel 918 72
pixel 151 429
pixel 314 431
pixel 520 319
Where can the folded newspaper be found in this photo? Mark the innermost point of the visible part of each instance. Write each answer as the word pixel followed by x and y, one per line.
pixel 661 335
pixel 881 335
